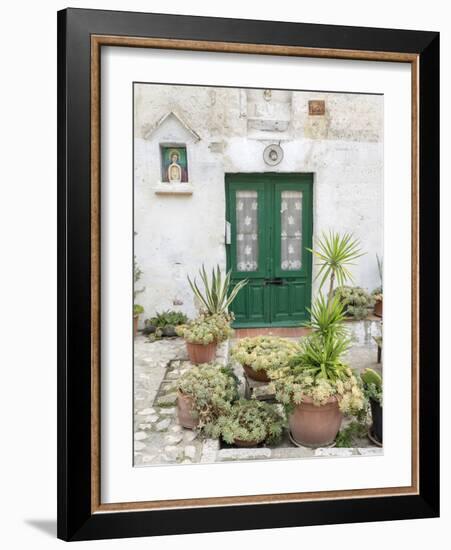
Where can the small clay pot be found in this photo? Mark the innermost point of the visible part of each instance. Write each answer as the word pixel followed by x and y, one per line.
pixel 186 412
pixel 135 325
pixel 376 415
pixel 258 375
pixel 378 306
pixel 201 353
pixel 242 443
pixel 315 426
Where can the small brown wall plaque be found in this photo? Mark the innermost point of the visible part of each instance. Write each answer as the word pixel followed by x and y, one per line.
pixel 316 107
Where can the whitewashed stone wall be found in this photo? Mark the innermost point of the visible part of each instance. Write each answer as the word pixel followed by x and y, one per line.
pixel 176 234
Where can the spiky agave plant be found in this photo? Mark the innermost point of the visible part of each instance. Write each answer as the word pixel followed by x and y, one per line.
pixel 216 297
pixel 336 253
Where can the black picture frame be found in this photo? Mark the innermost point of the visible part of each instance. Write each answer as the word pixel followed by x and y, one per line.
pixel 76 520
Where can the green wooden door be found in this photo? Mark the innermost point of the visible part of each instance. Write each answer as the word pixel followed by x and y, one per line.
pixel 270 218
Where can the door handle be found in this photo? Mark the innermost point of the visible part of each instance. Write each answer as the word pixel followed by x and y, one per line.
pixel 276 281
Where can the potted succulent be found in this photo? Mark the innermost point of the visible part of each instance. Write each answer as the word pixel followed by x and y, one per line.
pixel 357 301
pixel 259 355
pixel 203 335
pixel 248 423
pixel 372 385
pixel 214 322
pixel 378 292
pixel 204 393
pixel 137 311
pixel 164 324
pixel 317 388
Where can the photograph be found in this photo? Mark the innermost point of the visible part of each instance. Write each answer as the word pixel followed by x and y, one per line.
pixel 258 261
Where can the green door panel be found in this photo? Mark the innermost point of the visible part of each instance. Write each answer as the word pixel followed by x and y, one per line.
pixel 271 227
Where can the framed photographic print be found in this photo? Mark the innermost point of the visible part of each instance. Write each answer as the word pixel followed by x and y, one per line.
pixel 248 274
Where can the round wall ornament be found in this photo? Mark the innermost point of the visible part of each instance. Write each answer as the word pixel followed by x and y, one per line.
pixel 273 154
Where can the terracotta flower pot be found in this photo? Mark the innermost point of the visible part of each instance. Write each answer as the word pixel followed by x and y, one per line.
pixel 242 443
pixel 313 426
pixel 258 375
pixel 186 412
pixel 378 308
pixel 201 353
pixel 135 325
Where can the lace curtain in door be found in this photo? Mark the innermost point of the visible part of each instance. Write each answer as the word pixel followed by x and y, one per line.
pixel 247 230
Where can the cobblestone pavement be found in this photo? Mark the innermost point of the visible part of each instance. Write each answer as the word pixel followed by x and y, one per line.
pixel 159 439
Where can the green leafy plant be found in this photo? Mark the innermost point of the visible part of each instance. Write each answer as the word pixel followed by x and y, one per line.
pixel 264 352
pixel 348 436
pixel 251 421
pixel 336 253
pixel 356 301
pixel 137 309
pixel 212 388
pixel 372 384
pixel 327 317
pixel 168 318
pixel 216 296
pixel 207 329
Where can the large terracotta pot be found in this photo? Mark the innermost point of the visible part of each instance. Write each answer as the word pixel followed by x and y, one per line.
pixel 201 353
pixel 135 325
pixel 186 412
pixel 258 375
pixel 378 308
pixel 313 426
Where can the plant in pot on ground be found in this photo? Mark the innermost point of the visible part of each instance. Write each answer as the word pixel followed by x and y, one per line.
pixel 248 423
pixel 357 301
pixel 260 354
pixel 372 386
pixel 213 324
pixel 205 392
pixel 164 324
pixel 317 389
pixel 204 334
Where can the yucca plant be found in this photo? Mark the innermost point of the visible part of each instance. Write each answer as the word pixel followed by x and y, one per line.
pixel 327 317
pixel 321 357
pixel 216 296
pixel 336 252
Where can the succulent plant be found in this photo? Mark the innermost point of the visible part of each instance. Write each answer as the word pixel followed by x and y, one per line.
pixel 207 329
pixel 249 421
pixel 264 352
pixel 168 318
pixel 356 301
pixel 212 389
pixel 372 384
pixel 319 373
pixel 137 309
